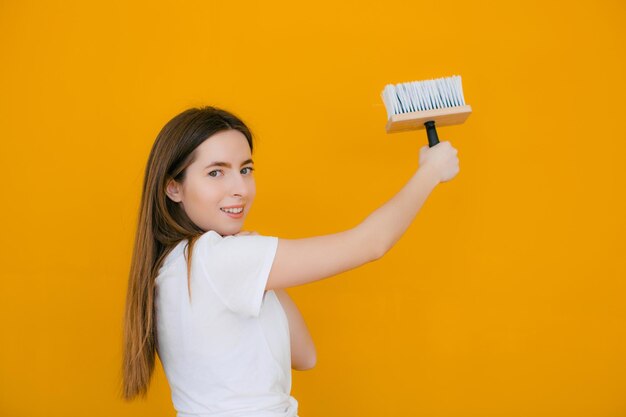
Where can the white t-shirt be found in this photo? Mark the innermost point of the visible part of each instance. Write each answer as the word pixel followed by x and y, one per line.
pixel 227 352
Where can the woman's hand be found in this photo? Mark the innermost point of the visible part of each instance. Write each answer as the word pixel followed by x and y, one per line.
pixel 441 159
pixel 244 233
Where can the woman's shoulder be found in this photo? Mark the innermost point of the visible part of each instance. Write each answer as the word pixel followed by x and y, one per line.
pixel 208 239
pixel 212 245
pixel 210 236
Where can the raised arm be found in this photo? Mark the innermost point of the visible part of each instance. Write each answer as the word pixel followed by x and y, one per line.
pixel 300 261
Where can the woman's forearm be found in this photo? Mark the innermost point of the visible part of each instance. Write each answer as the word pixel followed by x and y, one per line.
pixel 303 354
pixel 300 261
pixel 388 223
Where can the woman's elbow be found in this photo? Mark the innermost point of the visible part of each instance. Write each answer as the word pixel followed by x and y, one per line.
pixel 376 250
pixel 305 364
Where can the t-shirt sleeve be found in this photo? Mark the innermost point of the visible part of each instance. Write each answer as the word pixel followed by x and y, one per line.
pixel 237 268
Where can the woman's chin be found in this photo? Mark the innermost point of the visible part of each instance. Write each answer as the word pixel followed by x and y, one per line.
pixel 228 231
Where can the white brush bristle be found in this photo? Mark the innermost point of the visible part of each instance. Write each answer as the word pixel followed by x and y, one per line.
pixel 423 95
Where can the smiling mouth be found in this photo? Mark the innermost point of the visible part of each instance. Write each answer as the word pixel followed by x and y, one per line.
pixel 232 210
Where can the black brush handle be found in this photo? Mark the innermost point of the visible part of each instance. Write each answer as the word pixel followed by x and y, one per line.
pixel 433 139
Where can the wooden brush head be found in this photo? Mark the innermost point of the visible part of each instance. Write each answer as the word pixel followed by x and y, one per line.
pixel 415 120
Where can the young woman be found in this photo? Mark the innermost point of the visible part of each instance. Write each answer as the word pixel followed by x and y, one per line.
pixel 208 297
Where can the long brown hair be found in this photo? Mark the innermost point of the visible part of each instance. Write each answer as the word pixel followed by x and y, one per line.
pixel 162 224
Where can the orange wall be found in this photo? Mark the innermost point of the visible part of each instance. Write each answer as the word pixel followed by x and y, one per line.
pixel 504 298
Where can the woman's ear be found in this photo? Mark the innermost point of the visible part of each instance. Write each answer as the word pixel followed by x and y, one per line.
pixel 174 191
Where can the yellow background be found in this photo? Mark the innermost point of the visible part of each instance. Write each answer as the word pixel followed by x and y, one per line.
pixel 506 297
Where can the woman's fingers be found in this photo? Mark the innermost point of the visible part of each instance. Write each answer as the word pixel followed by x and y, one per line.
pixel 245 232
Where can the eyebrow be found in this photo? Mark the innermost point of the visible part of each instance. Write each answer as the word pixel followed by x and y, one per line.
pixel 226 164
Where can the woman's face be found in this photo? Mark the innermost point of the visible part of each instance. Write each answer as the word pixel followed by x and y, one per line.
pixel 219 187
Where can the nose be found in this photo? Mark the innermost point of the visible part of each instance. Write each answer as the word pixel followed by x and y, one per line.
pixel 238 185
